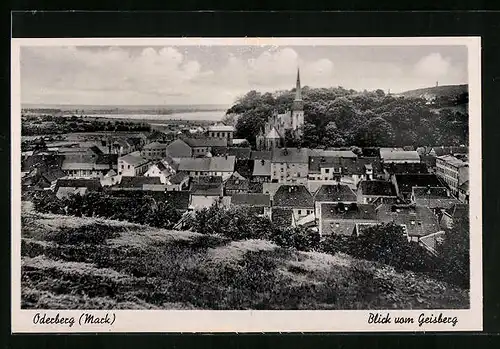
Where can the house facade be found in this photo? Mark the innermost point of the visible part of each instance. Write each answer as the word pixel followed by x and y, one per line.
pixel 453 171
pixel 295 198
pixel 221 132
pixel 289 166
pixel 132 164
pixel 154 151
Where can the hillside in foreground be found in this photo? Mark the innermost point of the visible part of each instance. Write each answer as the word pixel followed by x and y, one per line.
pixel 82 263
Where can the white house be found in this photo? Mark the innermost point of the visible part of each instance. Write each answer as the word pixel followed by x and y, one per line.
pixel 132 164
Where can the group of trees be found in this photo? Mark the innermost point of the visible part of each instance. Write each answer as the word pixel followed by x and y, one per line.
pixel 135 208
pixel 386 243
pixel 49 124
pixel 239 223
pixel 383 243
pixel 336 117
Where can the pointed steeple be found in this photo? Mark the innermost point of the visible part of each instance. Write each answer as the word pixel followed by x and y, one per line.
pixel 298 91
pixel 298 103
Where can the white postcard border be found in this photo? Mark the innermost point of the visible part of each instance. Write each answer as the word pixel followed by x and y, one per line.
pixel 255 320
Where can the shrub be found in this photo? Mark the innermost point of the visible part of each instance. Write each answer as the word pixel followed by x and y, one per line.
pixel 136 208
pixel 237 224
pixel 47 202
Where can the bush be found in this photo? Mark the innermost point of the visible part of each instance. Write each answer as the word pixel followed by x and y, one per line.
pixel 135 208
pixel 47 202
pixel 237 224
pixel 384 243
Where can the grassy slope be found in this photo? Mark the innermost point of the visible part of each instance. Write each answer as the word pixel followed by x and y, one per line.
pixel 445 90
pixel 126 266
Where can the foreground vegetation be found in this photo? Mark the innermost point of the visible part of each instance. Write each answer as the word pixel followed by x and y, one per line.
pixel 81 263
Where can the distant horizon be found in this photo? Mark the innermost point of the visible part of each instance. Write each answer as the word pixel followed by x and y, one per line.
pixel 218 106
pixel 186 75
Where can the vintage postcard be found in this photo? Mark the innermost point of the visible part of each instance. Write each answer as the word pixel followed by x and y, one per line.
pixel 246 185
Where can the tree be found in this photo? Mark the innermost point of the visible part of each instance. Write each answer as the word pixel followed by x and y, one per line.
pixel 164 216
pixel 377 132
pixel 333 137
pixel 454 253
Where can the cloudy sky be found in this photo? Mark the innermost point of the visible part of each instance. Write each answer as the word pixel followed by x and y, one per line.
pixel 134 75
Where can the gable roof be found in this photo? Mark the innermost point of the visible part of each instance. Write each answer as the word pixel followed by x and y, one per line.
pixel 262 168
pixel 377 188
pixel 419 220
pixel 179 149
pixel 213 164
pixel 155 145
pixel 464 186
pixel 134 159
pixel 222 163
pixel 458 210
pixel 333 153
pixel 138 181
pixel 244 167
pixel 52 174
pixel 222 128
pixel 239 152
pixel 318 162
pixel 400 155
pixel 410 167
pixel 212 189
pixel 251 199
pixel 293 196
pixel 406 182
pixel 273 134
pixel 291 155
pixel 452 160
pixel 179 177
pixel 236 182
pixel 433 197
pixel 333 193
pixel 89 183
pixel 450 150
pixel 205 142
pixel 339 211
pixel 260 154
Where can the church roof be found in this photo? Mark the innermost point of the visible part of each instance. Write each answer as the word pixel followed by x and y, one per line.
pixel 273 134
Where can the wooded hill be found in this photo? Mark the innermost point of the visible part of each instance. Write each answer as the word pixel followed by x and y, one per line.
pixel 337 117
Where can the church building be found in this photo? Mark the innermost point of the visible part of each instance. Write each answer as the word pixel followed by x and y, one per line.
pixel 273 134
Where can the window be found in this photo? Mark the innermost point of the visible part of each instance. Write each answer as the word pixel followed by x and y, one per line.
pixel 300 211
pixel 128 166
pixel 327 170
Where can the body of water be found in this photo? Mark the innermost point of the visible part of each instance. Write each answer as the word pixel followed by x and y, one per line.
pixel 213 115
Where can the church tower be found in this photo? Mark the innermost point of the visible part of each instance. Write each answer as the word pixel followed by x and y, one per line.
pixel 298 109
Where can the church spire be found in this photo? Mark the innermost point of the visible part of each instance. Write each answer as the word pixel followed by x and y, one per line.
pixel 298 91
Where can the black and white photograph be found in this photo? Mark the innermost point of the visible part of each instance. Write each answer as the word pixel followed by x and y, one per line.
pixel 324 177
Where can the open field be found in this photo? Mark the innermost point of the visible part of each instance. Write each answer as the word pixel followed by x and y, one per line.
pixel 83 263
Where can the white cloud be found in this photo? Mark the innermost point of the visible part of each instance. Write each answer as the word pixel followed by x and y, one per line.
pixel 176 75
pixel 434 66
